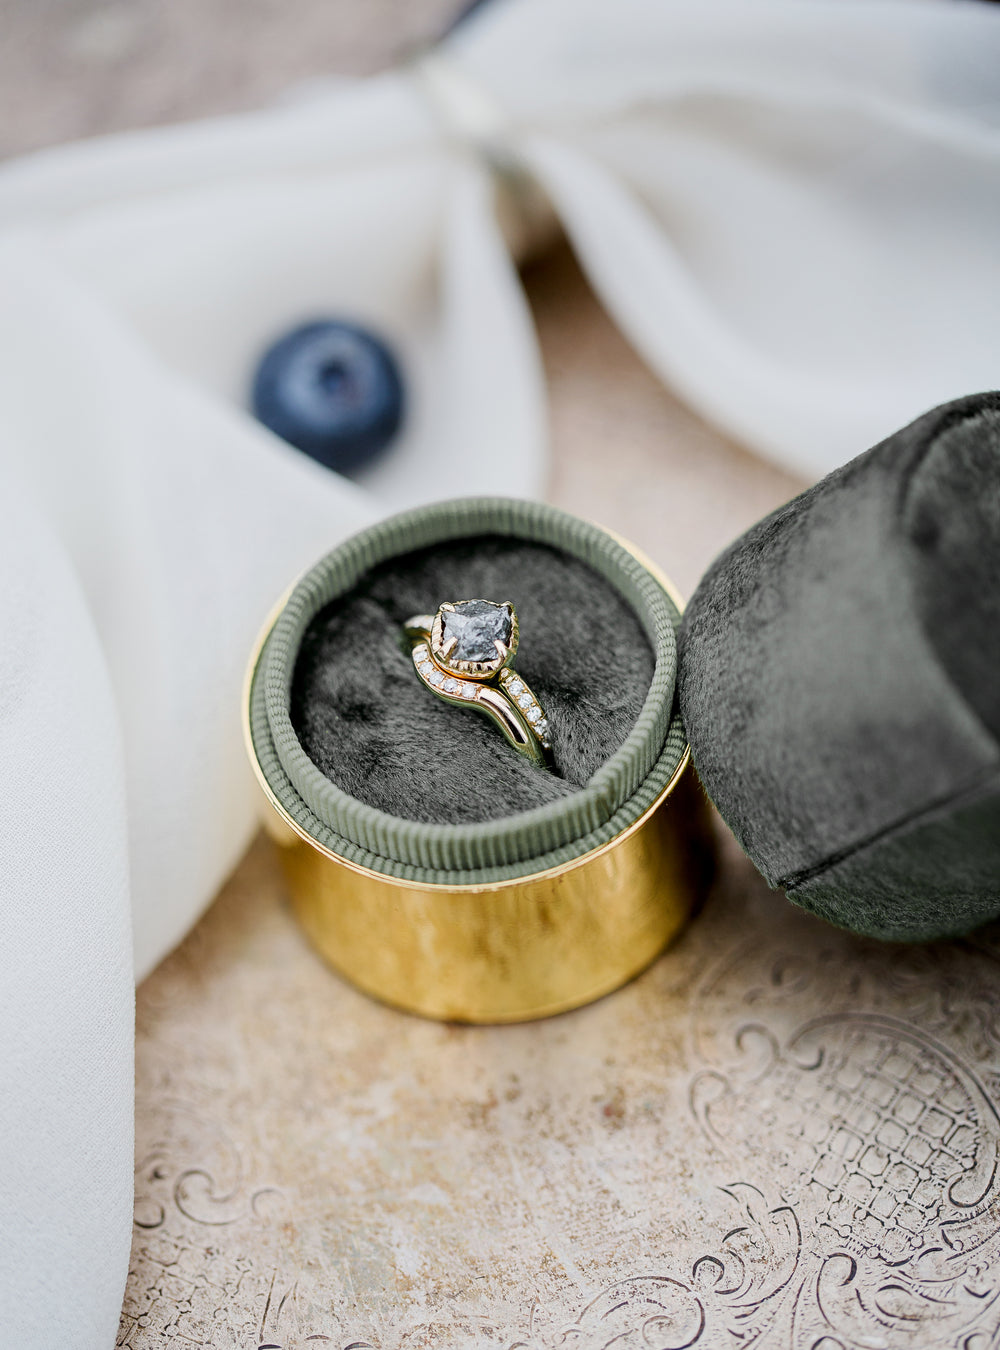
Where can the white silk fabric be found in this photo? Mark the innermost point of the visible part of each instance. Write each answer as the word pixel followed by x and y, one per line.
pixel 792 209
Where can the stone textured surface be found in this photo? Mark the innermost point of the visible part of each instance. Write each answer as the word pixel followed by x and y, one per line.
pixel 779 1135
pixel 72 68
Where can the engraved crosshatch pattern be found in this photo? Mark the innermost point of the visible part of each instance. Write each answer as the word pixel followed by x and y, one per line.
pixel 780 1136
pixel 884 1147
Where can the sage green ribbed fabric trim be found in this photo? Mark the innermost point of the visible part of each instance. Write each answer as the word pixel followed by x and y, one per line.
pixel 487 851
pixel 662 772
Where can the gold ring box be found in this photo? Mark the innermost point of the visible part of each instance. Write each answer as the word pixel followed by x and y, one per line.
pixel 481 946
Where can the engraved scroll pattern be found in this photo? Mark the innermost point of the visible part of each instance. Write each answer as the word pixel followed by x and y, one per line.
pixel 883 1227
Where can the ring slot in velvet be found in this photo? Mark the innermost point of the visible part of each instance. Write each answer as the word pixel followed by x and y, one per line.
pixel 382 773
pixel 840 683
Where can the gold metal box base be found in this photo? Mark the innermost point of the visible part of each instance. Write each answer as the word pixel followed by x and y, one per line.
pixel 513 950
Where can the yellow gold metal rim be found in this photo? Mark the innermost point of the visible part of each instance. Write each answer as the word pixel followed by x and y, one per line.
pixel 443 887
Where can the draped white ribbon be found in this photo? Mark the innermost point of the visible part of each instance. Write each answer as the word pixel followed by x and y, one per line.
pixel 792 209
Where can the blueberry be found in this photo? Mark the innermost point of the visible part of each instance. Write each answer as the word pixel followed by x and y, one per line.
pixel 331 389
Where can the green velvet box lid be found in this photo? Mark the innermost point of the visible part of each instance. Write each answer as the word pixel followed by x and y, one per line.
pixel 840 683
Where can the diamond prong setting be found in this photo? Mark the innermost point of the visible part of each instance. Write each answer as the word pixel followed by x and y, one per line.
pixel 474 638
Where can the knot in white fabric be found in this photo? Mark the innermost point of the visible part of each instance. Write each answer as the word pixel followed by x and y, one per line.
pixel 468 113
pixel 472 119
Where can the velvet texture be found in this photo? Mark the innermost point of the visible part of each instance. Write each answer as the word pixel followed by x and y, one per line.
pixel 343 712
pixel 839 677
pixel 367 722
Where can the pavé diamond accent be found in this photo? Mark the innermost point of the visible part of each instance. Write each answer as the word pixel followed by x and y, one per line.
pixel 435 677
pixel 524 700
pixel 451 686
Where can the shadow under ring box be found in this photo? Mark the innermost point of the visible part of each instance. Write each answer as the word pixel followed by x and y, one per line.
pixel 431 864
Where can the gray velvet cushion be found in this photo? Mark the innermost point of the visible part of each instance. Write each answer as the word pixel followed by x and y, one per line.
pixel 366 721
pixel 599 629
pixel 839 677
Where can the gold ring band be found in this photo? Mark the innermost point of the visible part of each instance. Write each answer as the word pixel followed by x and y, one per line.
pixel 463 654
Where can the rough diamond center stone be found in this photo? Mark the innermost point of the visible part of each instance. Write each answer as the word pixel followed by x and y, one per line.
pixel 476 625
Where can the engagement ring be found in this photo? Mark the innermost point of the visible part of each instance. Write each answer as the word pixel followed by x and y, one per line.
pixel 463 653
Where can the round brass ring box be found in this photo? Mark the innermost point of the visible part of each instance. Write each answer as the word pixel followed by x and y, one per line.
pixel 506 950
